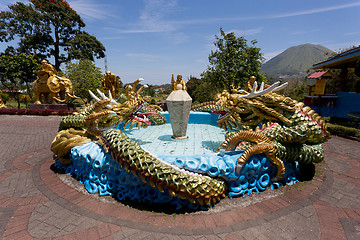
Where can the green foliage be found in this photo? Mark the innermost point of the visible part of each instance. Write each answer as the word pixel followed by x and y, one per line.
pixel 201 90
pixel 234 62
pixel 343 127
pixel 148 91
pixel 26 99
pixel 347 122
pixel 16 72
pixel 85 46
pixel 4 96
pixel 296 89
pixel 85 76
pixel 49 28
pixel 152 101
pixel 343 131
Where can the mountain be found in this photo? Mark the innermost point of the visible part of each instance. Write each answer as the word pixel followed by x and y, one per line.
pixel 294 61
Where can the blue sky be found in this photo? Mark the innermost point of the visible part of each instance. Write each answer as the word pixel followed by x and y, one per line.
pixel 153 39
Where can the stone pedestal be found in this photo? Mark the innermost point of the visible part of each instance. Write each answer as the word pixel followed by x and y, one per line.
pixel 179 105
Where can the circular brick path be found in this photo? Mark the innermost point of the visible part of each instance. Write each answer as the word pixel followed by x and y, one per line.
pixel 36 204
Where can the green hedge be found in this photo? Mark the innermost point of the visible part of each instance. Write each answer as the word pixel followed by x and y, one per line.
pixel 343 131
pixel 347 122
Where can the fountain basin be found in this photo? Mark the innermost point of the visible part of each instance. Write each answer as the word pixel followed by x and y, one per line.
pixel 100 173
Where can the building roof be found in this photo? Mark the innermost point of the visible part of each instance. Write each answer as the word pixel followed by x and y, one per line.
pixel 317 74
pixel 345 59
pixel 159 89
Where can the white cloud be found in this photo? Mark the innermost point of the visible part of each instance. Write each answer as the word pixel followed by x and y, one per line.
pixel 273 16
pixel 178 37
pixel 89 9
pixel 143 57
pixel 92 10
pixel 342 45
pixel 314 11
pixel 305 32
pixel 270 55
pixel 153 17
pixel 351 33
pixel 247 32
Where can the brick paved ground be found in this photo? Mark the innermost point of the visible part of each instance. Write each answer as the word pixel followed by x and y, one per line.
pixel 35 203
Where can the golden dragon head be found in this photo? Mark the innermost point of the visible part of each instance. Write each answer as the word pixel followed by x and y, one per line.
pixel 249 108
pixel 127 112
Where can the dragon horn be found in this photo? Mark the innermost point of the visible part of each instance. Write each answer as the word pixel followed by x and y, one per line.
pixel 263 91
pixel 136 82
pixel 94 96
pixel 280 87
pixel 102 95
pixel 113 101
pixel 262 86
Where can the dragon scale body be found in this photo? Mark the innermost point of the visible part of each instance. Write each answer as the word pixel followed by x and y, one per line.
pixel 196 188
pixel 270 123
pixel 276 126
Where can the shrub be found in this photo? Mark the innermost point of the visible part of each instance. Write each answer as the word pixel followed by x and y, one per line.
pixel 21 112
pixel 347 122
pixel 25 98
pixel 41 112
pixel 32 112
pixel 152 101
pixel 344 131
pixel 4 96
pixel 8 111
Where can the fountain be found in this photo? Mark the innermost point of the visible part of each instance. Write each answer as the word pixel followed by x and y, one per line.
pixel 149 165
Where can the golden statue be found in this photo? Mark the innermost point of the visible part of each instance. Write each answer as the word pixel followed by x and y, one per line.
pixel 178 81
pixel 49 85
pixel 110 83
pixel 2 105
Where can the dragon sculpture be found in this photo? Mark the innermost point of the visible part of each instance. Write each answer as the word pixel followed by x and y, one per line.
pixel 270 124
pixel 76 130
pixel 267 123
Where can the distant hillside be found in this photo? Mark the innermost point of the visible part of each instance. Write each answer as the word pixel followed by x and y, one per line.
pixel 294 61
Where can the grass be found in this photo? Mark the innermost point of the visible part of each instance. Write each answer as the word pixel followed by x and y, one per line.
pixel 13 104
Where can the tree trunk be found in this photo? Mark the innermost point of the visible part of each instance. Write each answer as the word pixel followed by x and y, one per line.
pixel 17 99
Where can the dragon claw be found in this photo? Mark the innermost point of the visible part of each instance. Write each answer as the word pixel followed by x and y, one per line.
pixel 262 145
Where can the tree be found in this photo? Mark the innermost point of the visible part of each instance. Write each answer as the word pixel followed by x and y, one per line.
pixel 234 61
pixel 85 76
pixel 49 28
pixel 148 91
pixel 16 72
pixel 296 89
pixel 201 90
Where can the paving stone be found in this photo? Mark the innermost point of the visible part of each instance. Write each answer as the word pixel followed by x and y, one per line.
pixel 342 194
pixel 19 184
pixel 45 216
pixel 285 226
pixel 128 233
pixel 24 146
